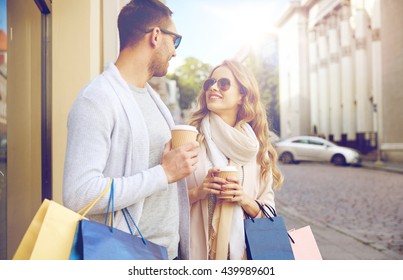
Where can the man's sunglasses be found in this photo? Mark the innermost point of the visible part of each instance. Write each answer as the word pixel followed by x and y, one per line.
pixel 223 84
pixel 177 39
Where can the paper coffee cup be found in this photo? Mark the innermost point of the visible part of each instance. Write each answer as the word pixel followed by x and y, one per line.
pixel 182 134
pixel 225 172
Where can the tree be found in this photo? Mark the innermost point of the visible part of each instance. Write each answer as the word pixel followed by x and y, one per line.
pixel 189 78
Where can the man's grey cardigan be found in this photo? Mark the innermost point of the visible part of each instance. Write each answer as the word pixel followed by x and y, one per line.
pixel 107 138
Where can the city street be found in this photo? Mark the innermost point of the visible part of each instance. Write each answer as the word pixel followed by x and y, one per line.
pixel 354 212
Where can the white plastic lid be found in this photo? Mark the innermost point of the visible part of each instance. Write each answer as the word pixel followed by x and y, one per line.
pixel 185 127
pixel 228 168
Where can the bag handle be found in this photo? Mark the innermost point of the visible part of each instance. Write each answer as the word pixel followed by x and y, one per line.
pixel 273 212
pixel 111 207
pixel 109 216
pixel 261 209
pixel 125 212
pixel 271 209
pixel 264 211
pixel 84 211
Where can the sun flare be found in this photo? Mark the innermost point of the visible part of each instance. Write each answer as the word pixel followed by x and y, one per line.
pixel 246 25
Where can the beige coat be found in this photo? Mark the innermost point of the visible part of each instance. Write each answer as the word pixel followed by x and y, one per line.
pixel 254 187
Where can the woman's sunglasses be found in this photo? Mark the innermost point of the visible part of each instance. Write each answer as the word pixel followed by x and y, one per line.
pixel 223 84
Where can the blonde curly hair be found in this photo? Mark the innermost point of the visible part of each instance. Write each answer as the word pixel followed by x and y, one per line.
pixel 251 111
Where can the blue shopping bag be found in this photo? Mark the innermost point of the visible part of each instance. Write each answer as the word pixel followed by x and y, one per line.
pixel 96 241
pixel 267 238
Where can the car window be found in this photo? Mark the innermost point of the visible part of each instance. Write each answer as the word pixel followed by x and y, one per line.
pixel 313 142
pixel 303 141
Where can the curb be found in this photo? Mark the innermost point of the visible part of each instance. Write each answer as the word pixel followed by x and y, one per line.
pixel 385 167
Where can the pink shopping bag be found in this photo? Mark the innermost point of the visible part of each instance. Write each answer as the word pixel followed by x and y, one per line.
pixel 304 246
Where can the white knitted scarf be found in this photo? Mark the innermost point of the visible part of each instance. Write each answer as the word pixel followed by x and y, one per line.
pixel 237 145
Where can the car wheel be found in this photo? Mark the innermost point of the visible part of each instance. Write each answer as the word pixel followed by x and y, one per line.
pixel 287 158
pixel 339 160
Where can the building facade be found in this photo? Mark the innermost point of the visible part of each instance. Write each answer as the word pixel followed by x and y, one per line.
pixel 54 48
pixel 340 68
pixel 49 52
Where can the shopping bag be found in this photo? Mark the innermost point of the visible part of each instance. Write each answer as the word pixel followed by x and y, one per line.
pixel 97 241
pixel 303 244
pixel 51 233
pixel 267 238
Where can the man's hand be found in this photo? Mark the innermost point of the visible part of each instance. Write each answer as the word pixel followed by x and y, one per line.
pixel 179 162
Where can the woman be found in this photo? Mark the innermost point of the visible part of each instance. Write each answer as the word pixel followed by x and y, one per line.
pixel 233 131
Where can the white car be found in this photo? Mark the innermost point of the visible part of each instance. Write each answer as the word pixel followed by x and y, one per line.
pixel 311 148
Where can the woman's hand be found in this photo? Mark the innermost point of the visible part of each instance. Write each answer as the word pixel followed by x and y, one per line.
pixel 211 184
pixel 233 192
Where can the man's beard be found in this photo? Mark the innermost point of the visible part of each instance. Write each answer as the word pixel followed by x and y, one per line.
pixel 158 66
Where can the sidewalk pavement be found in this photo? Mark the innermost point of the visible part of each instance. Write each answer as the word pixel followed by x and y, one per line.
pixel 338 244
pixel 335 243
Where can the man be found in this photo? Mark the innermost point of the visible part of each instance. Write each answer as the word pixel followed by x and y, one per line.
pixel 119 128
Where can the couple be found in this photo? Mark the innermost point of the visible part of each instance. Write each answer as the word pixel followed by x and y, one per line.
pixel 119 128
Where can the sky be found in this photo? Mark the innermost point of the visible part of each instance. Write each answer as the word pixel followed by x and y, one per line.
pixel 3 15
pixel 214 30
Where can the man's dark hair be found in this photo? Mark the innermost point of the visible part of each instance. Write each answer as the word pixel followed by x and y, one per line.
pixel 139 16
